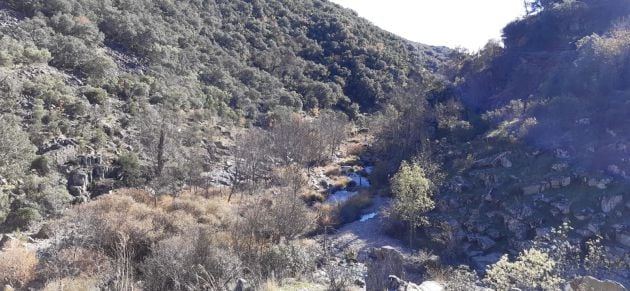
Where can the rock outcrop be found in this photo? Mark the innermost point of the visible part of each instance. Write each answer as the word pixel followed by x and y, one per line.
pixel 591 284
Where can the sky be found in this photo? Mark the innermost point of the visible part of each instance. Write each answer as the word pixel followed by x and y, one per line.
pixel 453 23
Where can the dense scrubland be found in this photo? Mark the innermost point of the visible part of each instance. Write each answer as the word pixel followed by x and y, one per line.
pixel 195 145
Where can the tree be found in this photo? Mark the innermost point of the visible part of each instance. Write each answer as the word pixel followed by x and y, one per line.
pixel 16 151
pixel 333 127
pixel 412 195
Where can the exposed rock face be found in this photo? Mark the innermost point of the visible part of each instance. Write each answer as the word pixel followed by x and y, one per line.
pixel 383 263
pixel 591 284
pixel 611 202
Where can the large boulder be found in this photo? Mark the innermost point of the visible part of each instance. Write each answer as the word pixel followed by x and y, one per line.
pixel 591 284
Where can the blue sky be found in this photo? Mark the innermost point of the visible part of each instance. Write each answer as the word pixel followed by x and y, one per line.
pixel 453 23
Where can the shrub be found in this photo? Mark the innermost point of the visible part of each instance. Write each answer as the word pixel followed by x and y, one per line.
pixel 130 169
pixel 289 259
pixel 17 265
pixel 532 270
pixel 95 95
pixel 41 164
pixel 190 262
pixel 351 209
pixel 77 262
pixel 22 218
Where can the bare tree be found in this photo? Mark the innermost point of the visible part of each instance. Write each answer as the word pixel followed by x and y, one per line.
pixel 332 127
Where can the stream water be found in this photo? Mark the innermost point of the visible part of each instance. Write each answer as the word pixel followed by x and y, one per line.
pixel 359 180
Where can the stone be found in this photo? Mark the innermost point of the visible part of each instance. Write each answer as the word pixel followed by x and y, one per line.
pixel 359 283
pixel 589 283
pixel 484 242
pixel 8 288
pixel 566 181
pixel 559 167
pixel 531 190
pixel 430 286
pixel 563 206
pixel 611 202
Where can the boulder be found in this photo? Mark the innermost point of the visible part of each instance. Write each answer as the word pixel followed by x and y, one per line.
pixel 531 190
pixel 8 288
pixel 484 242
pixel 589 283
pixel 430 286
pixel 491 162
pixel 611 202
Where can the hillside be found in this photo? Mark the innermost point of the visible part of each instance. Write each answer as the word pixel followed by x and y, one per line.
pixel 540 143
pixel 292 145
pixel 91 82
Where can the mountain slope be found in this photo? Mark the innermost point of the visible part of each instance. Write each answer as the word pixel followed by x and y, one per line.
pixel 95 84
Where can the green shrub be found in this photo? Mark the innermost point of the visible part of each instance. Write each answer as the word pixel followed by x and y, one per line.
pixel 95 95
pixel 22 218
pixel 130 169
pixel 41 164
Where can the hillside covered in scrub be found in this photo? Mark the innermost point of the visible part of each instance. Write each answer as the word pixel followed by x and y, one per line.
pixel 292 145
pixel 86 84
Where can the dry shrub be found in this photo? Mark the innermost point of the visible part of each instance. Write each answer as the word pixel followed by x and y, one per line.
pixel 190 262
pixel 138 195
pixel 101 223
pixel 212 211
pixel 73 284
pixel 311 197
pixel 17 265
pixel 74 261
pixel 328 215
pixel 351 210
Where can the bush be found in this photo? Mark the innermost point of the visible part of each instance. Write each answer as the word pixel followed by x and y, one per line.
pixel 351 209
pixel 532 270
pixel 189 262
pixel 23 218
pixel 95 95
pixel 289 259
pixel 130 169
pixel 41 164
pixel 17 265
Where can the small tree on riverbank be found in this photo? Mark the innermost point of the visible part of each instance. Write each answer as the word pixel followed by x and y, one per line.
pixel 412 196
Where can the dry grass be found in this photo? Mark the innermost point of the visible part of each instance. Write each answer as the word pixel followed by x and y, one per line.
pixel 17 265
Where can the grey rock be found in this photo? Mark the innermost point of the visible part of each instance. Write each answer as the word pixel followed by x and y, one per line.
pixel 531 189
pixel 589 283
pixel 611 202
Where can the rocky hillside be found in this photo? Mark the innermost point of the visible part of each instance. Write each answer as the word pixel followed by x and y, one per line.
pixel 541 140
pixel 93 86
